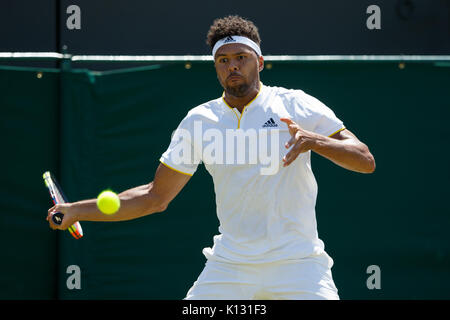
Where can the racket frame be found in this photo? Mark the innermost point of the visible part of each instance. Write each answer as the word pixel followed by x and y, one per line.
pixel 59 197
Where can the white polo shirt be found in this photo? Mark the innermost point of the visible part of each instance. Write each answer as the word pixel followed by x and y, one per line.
pixel 266 211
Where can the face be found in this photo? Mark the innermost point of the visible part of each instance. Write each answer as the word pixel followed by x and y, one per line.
pixel 238 67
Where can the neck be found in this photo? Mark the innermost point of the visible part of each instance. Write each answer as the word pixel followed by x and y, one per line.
pixel 241 102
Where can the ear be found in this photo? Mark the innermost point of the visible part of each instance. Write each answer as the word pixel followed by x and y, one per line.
pixel 261 63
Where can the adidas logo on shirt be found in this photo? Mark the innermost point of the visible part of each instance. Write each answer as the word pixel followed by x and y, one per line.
pixel 270 123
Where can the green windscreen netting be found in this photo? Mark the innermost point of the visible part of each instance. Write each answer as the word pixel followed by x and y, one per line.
pixel 99 130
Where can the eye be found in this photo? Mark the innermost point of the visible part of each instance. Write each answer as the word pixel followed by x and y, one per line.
pixel 223 60
pixel 241 57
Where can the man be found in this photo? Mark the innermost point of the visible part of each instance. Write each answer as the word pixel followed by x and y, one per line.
pixel 268 247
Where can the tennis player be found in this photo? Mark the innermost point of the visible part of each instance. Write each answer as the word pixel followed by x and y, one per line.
pixel 268 246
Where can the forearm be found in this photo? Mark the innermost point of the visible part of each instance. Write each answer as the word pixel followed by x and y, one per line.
pixel 349 154
pixel 134 203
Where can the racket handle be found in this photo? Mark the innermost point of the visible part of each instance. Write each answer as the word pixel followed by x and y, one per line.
pixel 57 217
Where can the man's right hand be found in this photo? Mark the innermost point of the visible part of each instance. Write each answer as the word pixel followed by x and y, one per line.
pixel 68 219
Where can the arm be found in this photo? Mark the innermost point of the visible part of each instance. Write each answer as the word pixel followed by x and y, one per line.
pixel 342 148
pixel 134 203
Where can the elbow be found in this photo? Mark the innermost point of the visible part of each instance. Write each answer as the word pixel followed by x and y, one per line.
pixel 160 204
pixel 155 203
pixel 161 207
pixel 367 160
pixel 371 166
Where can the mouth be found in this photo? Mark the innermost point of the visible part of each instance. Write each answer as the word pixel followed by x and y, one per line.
pixel 234 77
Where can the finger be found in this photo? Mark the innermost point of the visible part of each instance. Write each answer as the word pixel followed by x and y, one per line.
pixel 290 123
pixel 50 212
pixel 295 139
pixel 289 158
pixel 287 120
pixel 291 141
pixel 292 126
pixel 51 224
pixel 293 153
pixel 60 207
pixel 49 216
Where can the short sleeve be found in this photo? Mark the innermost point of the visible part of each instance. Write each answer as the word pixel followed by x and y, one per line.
pixel 181 155
pixel 319 118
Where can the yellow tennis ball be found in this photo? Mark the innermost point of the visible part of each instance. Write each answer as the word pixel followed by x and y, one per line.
pixel 108 202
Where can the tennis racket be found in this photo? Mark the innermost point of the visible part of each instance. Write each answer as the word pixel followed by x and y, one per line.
pixel 58 197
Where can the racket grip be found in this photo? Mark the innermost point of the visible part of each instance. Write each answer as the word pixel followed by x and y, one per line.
pixel 57 217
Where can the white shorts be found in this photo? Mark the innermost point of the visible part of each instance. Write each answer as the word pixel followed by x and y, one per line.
pixel 306 279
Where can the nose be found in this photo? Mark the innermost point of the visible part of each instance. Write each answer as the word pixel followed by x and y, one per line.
pixel 233 66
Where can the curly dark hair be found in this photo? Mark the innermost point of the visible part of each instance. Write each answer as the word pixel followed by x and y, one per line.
pixel 232 25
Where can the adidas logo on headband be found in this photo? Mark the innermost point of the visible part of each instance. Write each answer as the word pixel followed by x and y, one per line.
pixel 229 39
pixel 236 39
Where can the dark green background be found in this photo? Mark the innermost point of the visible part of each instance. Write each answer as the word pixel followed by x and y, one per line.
pixel 98 130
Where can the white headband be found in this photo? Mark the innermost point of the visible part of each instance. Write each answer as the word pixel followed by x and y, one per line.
pixel 236 39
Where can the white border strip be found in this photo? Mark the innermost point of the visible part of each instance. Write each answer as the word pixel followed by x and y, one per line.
pixel 33 55
pixel 266 58
pixel 359 58
pixel 175 58
pixel 108 58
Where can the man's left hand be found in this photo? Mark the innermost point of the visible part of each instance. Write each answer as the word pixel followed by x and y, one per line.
pixel 301 141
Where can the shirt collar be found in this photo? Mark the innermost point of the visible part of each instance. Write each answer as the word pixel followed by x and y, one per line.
pixel 251 102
